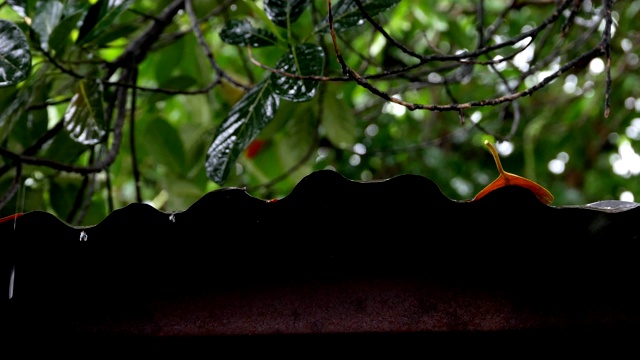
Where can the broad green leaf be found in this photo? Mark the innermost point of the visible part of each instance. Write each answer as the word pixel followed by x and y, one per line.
pixel 338 121
pixel 284 12
pixel 59 37
pixel 178 82
pixel 298 134
pixel 304 59
pixel 25 126
pixel 11 113
pixel 100 17
pixel 115 32
pixel 62 193
pixel 48 14
pixel 243 123
pixel 62 148
pixel 163 143
pixel 346 13
pixel 242 33
pixel 15 55
pixel 31 124
pixel 162 63
pixel 84 118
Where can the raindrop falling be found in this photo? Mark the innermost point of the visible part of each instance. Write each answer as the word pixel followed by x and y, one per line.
pixel 172 217
pixel 11 281
pixel 83 236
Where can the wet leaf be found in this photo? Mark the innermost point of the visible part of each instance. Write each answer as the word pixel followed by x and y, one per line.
pixel 346 13
pixel 299 134
pixel 59 37
pixel 84 118
pixel 284 12
pixel 48 14
pixel 338 122
pixel 304 59
pixel 242 33
pixel 11 113
pixel 506 178
pixel 100 17
pixel 243 123
pixel 15 55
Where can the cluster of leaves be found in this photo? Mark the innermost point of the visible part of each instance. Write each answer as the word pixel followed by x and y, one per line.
pixel 259 94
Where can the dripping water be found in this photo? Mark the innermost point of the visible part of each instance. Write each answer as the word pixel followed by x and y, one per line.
pixel 19 209
pixel 11 280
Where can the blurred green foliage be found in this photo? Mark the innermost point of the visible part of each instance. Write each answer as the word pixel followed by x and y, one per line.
pixel 189 93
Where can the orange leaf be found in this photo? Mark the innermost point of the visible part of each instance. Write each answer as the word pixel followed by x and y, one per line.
pixel 505 178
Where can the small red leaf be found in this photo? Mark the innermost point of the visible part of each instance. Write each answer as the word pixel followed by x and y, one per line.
pixel 10 217
pixel 255 147
pixel 505 178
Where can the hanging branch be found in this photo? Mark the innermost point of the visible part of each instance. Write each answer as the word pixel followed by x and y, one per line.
pixel 138 49
pixel 80 195
pixel 220 74
pixel 97 166
pixel 606 44
pixel 363 82
pixel 132 137
pixel 13 188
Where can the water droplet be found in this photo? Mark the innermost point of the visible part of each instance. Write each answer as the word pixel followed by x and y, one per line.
pixel 172 217
pixel 12 281
pixel 83 236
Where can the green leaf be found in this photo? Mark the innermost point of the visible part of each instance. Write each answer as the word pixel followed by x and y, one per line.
pixel 84 118
pixel 100 17
pixel 284 12
pixel 62 193
pixel 63 149
pixel 178 82
pixel 163 142
pixel 242 33
pixel 15 55
pixel 48 14
pixel 338 121
pixel 11 113
pixel 346 13
pixel 305 60
pixel 59 37
pixel 298 134
pixel 243 123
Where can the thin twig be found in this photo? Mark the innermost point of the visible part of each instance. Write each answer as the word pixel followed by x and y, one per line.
pixel 203 90
pixel 77 203
pixel 137 49
pixel 386 35
pixel 606 44
pixel 290 75
pixel 451 107
pixel 132 137
pixel 203 43
pixel 13 188
pixel 98 165
pixel 82 212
